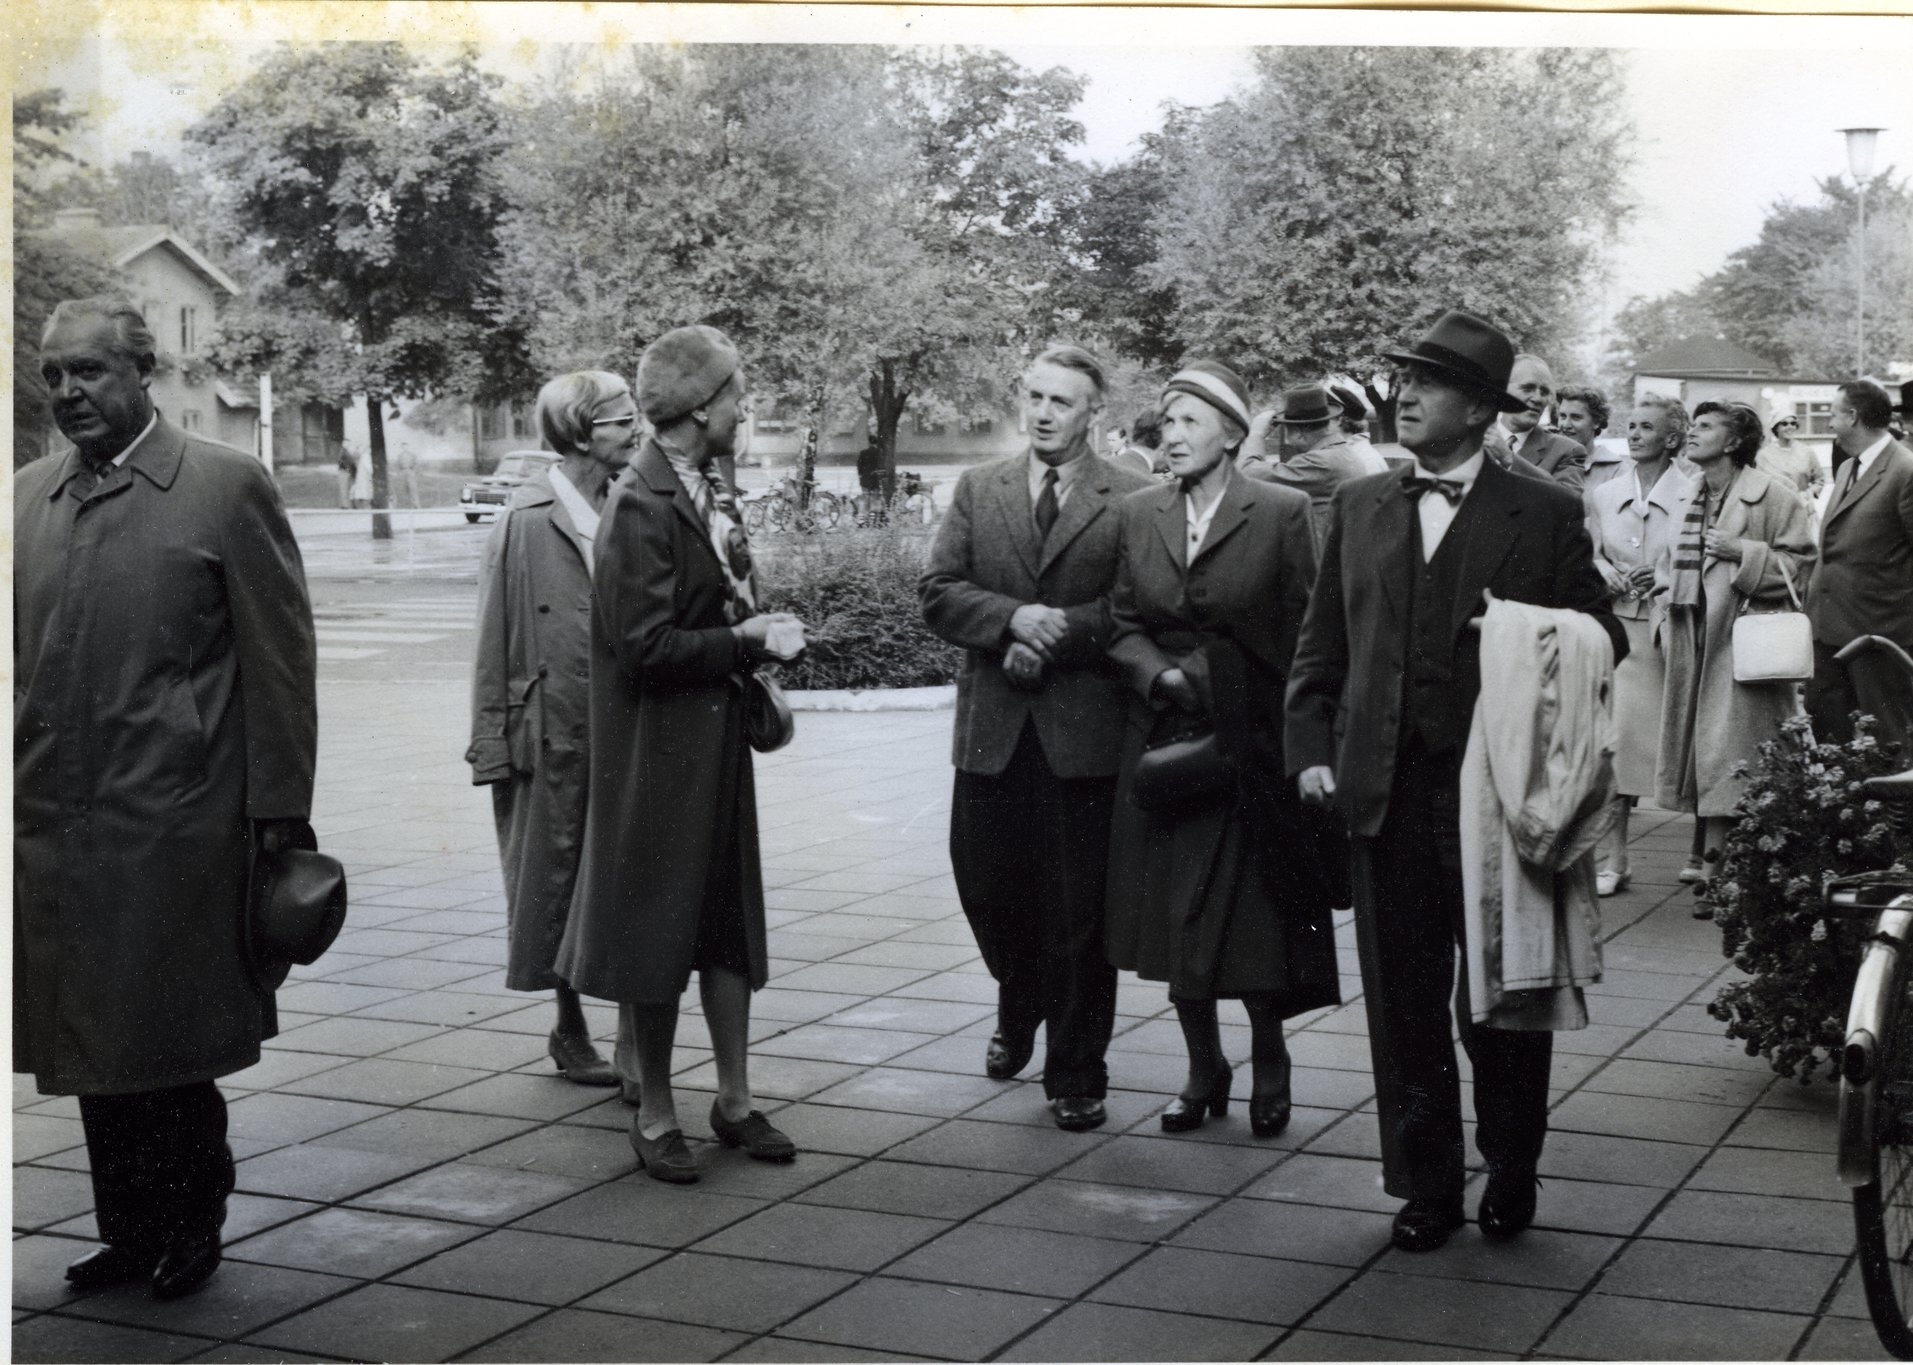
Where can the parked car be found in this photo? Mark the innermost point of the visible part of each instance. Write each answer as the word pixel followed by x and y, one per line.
pixel 483 497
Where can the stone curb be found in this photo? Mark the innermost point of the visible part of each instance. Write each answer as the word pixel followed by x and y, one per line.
pixel 875 699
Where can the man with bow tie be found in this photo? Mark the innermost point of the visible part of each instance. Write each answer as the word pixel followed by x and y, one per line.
pixel 1379 705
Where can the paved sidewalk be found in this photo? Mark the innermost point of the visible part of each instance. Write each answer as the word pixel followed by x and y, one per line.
pixel 417 1184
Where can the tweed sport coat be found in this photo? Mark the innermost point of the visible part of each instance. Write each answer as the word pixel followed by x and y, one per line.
pixel 1345 699
pixel 987 562
pixel 1863 584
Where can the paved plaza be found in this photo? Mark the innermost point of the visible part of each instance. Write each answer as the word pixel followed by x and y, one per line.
pixel 416 1183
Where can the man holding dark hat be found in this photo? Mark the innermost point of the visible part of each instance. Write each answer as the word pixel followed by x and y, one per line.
pixel 1317 456
pixel 1020 577
pixel 1379 706
pixel 165 731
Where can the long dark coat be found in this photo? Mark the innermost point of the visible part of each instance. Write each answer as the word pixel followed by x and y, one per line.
pixel 1198 898
pixel 671 833
pixel 531 718
pixel 164 697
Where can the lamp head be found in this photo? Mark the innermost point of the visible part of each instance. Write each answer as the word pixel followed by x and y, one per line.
pixel 1861 143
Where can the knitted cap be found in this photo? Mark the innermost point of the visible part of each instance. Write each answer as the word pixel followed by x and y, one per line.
pixel 1215 384
pixel 683 370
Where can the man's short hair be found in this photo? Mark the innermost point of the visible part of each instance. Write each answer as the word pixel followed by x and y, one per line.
pixel 1520 356
pixel 1146 430
pixel 130 332
pixel 566 404
pixel 1589 398
pixel 1669 407
pixel 1870 403
pixel 1077 359
pixel 1745 434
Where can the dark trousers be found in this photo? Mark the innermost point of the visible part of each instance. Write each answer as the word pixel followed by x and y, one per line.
pixel 1029 851
pixel 1870 683
pixel 1408 923
pixel 161 1166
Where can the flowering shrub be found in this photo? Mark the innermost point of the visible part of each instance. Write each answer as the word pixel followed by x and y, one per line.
pixel 1803 820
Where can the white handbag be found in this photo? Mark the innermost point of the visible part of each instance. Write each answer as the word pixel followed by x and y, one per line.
pixel 1773 646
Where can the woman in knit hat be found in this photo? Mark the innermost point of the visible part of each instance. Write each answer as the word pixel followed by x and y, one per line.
pixel 1217 886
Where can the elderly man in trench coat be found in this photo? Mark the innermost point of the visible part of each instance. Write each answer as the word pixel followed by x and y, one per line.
pixel 165 731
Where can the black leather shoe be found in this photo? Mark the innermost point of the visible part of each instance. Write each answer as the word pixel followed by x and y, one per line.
pixel 187 1264
pixel 1005 1057
pixel 1269 1114
pixel 1507 1204
pixel 1187 1111
pixel 113 1263
pixel 579 1062
pixel 1078 1114
pixel 754 1134
pixel 665 1157
pixel 1426 1224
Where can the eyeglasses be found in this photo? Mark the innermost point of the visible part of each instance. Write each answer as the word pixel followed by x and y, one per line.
pixel 630 419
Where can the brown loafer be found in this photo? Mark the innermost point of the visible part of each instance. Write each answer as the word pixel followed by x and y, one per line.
pixel 754 1134
pixel 665 1157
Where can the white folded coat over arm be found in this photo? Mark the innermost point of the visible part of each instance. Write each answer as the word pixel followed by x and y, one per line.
pixel 1537 794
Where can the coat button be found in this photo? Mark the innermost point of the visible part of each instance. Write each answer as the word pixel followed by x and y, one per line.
pixel 543 608
pixel 543 670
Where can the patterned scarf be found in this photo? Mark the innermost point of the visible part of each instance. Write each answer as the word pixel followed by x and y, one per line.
pixel 717 508
pixel 1690 546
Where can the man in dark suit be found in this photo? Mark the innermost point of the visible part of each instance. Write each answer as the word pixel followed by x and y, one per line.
pixel 1561 458
pixel 165 732
pixel 1863 584
pixel 1378 710
pixel 1317 457
pixel 1020 577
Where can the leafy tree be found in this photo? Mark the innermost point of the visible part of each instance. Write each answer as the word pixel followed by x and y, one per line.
pixel 364 181
pixel 1349 195
pixel 873 227
pixel 45 269
pixel 1820 335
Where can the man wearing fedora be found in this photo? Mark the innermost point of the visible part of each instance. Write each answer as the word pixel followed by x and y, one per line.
pixel 1317 455
pixel 1561 458
pixel 1020 577
pixel 165 734
pixel 1379 705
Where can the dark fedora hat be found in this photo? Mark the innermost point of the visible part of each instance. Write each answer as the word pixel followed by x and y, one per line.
pixel 1470 351
pixel 1304 405
pixel 295 910
pixel 1906 400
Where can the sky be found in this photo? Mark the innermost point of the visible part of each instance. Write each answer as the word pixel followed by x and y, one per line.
pixel 1734 114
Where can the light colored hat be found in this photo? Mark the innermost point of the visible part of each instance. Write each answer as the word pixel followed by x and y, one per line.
pixel 683 370
pixel 1215 384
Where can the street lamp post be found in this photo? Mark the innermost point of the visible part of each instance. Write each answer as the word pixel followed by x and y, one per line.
pixel 1860 145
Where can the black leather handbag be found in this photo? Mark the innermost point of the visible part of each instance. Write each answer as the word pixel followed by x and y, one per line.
pixel 1181 773
pixel 768 723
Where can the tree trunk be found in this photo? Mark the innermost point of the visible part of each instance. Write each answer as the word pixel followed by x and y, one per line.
pixel 887 402
pixel 375 429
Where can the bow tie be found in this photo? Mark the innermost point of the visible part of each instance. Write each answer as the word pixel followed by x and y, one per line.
pixel 1452 489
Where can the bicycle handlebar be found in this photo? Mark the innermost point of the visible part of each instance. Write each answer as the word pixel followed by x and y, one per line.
pixel 1898 787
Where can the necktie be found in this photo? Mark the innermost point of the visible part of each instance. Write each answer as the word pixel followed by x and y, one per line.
pixel 1046 504
pixel 1848 477
pixel 1415 486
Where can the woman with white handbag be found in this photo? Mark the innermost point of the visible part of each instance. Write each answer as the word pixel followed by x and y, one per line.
pixel 1735 640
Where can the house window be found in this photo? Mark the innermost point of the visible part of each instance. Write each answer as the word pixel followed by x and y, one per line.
pixel 188 329
pixel 1816 419
pixel 521 423
pixel 189 420
pixel 489 427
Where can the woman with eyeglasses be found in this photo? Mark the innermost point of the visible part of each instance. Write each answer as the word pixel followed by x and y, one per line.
pixel 530 699
pixel 1788 459
pixel 1744 537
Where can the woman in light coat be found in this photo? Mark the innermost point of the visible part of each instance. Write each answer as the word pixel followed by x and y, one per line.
pixel 530 687
pixel 1634 520
pixel 1745 535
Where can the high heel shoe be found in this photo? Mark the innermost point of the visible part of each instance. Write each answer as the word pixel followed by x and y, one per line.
pixel 1269 1113
pixel 578 1061
pixel 1187 1112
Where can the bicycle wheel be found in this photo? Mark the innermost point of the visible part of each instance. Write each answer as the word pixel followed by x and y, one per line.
pixel 777 514
pixel 1883 1207
pixel 825 510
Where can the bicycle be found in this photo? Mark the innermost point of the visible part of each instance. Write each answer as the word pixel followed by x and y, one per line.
pixel 1876 1071
pixel 779 509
